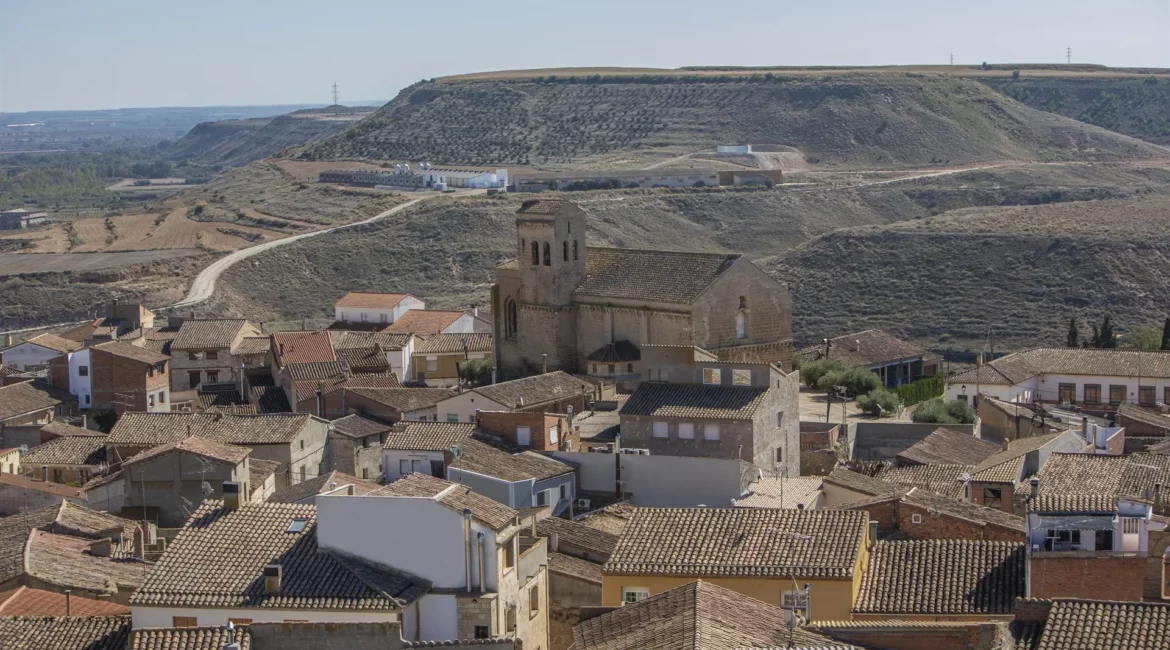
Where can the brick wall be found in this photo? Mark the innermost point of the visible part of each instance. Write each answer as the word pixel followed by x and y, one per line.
pixel 504 424
pixel 59 372
pixel 894 515
pixel 976 636
pixel 118 381
pixel 1087 575
pixel 1007 495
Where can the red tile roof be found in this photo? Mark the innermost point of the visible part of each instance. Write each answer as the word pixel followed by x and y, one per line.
pixel 23 601
pixel 359 299
pixel 424 321
pixel 302 347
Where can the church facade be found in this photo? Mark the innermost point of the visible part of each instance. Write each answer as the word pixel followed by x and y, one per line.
pixel 562 305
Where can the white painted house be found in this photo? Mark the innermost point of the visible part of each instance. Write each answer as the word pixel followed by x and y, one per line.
pixel 1092 378
pixel 80 381
pixel 452 177
pixel 382 308
pixel 34 354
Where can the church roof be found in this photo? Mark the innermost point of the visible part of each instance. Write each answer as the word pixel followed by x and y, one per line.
pixel 659 276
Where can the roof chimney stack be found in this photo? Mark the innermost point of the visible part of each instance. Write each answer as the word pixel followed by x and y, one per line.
pixel 873 532
pixel 272 579
pixel 543 364
pixel 1034 488
pixel 231 495
pixel 1085 430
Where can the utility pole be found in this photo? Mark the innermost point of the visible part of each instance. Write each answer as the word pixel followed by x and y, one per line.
pixel 1068 54
pixel 952 58
pixel 336 95
pixel 828 395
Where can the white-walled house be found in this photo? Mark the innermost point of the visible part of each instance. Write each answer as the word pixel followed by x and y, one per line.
pixel 381 308
pixel 437 321
pixel 35 353
pixel 80 381
pixel 421 448
pixel 1092 378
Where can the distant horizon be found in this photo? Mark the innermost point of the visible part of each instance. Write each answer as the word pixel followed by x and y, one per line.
pixel 299 105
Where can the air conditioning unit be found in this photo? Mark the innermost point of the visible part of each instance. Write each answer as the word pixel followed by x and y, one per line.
pixel 584 503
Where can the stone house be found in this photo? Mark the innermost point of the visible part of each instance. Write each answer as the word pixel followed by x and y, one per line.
pixel 206 352
pixel 559 301
pixel 166 483
pixel 74 459
pixel 122 320
pixel 24 408
pixel 538 431
pixel 554 392
pixel 355 446
pixel 10 460
pixel 35 353
pixel 125 377
pixel 437 358
pixel 758 552
pixel 747 411
pixel 422 448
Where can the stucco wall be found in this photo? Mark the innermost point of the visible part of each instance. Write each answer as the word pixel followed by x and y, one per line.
pixel 664 481
pixel 832 599
pixel 768 309
pixel 142 617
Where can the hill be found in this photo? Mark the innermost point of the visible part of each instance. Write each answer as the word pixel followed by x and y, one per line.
pixel 1139 107
pixel 1022 270
pixel 233 143
pixel 847 119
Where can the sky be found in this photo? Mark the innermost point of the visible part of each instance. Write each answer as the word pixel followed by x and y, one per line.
pixel 87 54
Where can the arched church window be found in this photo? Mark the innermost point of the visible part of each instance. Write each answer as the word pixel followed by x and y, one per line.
pixel 510 319
pixel 741 325
pixel 535 254
pixel 547 254
pixel 565 249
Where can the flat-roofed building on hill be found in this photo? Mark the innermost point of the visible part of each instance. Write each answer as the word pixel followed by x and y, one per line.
pixel 559 301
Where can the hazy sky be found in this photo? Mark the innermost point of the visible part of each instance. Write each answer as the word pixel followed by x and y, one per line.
pixel 73 54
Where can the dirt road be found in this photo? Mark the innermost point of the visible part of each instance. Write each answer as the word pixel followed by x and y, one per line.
pixel 204 284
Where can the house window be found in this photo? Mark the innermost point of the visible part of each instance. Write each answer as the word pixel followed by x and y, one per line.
pixel 1092 393
pixel 1062 540
pixel 916 518
pixel 634 594
pixel 302 444
pixel 661 430
pixel 793 599
pixel 593 368
pixel 87 398
pixel 509 553
pixel 383 318
pixel 365 472
pixel 553 435
pixel 184 621
pixel 150 400
pixel 302 473
pixel 1166 395
pixel 712 376
pixel 779 455
pixel 743 302
pixel 452 417
pixel 741 325
pixel 630 368
pixel 404 467
pixel 1146 395
pixel 564 491
pixel 510 319
pixel 83 371
pixel 510 619
pixel 710 431
pixel 542 498
pixel 741 377
pixel 779 419
pixel 192 356
pixel 535 254
pixel 611 368
pixel 1116 394
pixel 993 497
pixel 1068 393
pixel 212 376
pixel 565 250
pixel 1104 541
pixel 482 632
pixel 547 254
pixel 212 355
pixel 432 364
pixel 534 601
pixel 365 317
pixel 686 431
pixel 57 476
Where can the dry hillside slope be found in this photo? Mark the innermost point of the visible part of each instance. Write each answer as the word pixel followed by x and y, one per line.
pixel 1022 270
pixel 858 120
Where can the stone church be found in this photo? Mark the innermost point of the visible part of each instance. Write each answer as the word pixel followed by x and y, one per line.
pixel 566 306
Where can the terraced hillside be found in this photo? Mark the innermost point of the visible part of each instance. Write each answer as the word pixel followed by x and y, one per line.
pixel 234 143
pixel 846 120
pixel 1139 107
pixel 1023 270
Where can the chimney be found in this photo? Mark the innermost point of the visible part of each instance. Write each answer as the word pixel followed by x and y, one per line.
pixel 543 364
pixel 231 495
pixel 7 340
pixel 554 542
pixel 69 602
pixel 1085 430
pixel 873 532
pixel 272 579
pixel 481 540
pixel 800 506
pixel 467 544
pixel 320 402
pixel 1034 486
pixel 45 473
pixel 856 345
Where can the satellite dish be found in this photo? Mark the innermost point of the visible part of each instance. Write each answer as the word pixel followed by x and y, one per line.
pixel 206 487
pixel 456 452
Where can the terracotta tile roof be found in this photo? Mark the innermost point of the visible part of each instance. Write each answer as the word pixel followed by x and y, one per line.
pixel 424 321
pixel 577 534
pixel 1103 625
pixel 696 616
pixel 534 390
pixel 428 436
pixel 357 426
pixel 695 401
pixel 372 359
pixel 949 446
pixel 24 601
pixel 23 398
pixel 660 276
pixel 61 633
pixel 218 560
pixel 482 458
pixel 457 497
pixel 197 445
pixel 612 519
pixel 1005 466
pixel 945 577
pixel 777 492
pixel 405 399
pixel 616 352
pixel 740 542
pixel 542 206
pixel 1018 366
pixel 270 399
pixel 162 428
pixel 865 349
pixel 302 347
pixel 1142 473
pixel 73 450
pixel 360 299
pixel 132 352
pixel 188 638
pixel 943 479
pixel 47 487
pixel 211 334
pixel 64 429
pixel 54 342
pixel 1079 483
pixel 63 519
pixel 452 343
pixel 307 389
pixel 314 370
pixel 857 482
pixel 253 345
pixel 945 505
pixel 66 561
pixel 348 340
pixel 260 469
pixel 574 567
pixel 312 487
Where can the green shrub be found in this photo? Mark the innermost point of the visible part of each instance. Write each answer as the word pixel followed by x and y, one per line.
pixel 939 411
pixel 812 371
pixel 921 390
pixel 880 402
pixel 476 372
pixel 855 381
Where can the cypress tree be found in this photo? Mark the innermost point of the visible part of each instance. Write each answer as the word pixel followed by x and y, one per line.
pixel 1073 334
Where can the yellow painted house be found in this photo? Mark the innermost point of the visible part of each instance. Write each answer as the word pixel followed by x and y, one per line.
pixel 767 553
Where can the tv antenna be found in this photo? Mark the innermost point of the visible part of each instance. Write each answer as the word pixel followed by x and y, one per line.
pixel 335 93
